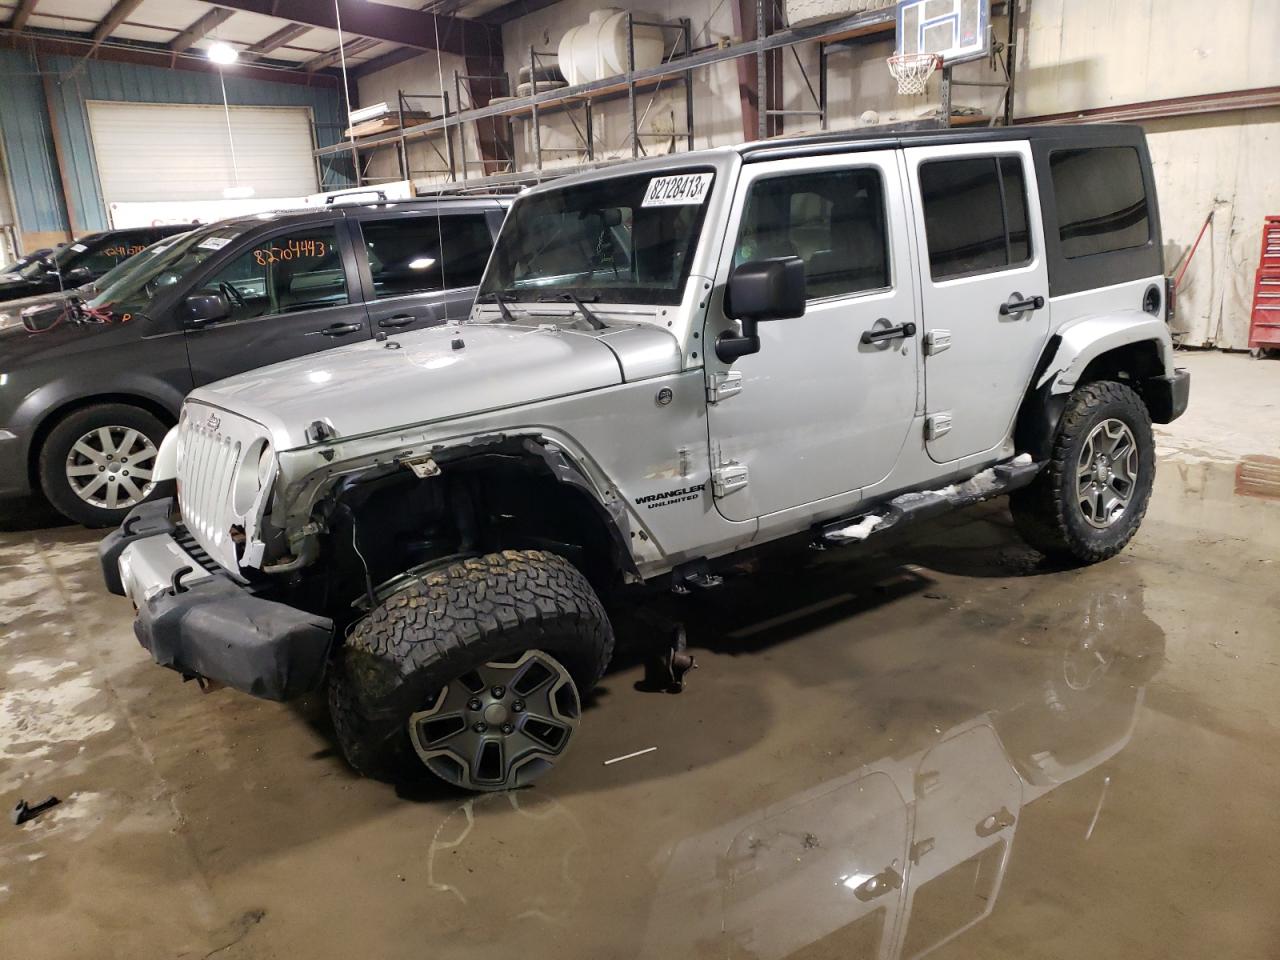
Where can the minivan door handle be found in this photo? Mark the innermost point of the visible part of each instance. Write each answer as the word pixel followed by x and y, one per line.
pixel 399 320
pixel 889 333
pixel 1021 306
pixel 342 329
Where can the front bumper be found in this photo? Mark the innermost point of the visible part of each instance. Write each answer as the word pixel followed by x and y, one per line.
pixel 1167 396
pixel 202 623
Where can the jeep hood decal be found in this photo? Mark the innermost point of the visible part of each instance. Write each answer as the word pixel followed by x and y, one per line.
pixel 449 371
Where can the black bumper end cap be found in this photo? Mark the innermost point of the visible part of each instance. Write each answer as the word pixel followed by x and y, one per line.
pixel 144 520
pixel 1167 396
pixel 217 630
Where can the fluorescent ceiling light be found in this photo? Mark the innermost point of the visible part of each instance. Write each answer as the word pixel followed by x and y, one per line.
pixel 222 52
pixel 237 193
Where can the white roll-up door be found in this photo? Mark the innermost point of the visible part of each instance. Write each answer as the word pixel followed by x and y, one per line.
pixel 160 151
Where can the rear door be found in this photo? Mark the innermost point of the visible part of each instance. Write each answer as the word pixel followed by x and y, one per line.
pixel 421 269
pixel 985 289
pixel 290 293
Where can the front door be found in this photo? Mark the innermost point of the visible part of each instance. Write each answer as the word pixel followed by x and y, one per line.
pixel 818 412
pixel 985 290
pixel 422 269
pixel 289 294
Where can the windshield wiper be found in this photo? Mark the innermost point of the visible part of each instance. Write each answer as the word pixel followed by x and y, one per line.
pixel 496 296
pixel 595 322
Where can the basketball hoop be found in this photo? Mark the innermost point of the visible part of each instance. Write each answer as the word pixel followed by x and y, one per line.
pixel 913 70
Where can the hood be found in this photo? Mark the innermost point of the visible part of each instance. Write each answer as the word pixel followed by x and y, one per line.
pixel 428 375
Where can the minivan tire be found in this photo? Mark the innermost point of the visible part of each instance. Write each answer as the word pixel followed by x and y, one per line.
pixel 1049 513
pixel 118 419
pixel 450 624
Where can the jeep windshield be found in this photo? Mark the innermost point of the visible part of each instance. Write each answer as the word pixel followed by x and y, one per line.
pixel 133 291
pixel 624 239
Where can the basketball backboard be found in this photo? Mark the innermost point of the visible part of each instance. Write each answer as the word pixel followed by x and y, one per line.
pixel 956 30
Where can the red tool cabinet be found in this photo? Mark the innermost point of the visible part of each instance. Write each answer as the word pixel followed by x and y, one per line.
pixel 1264 321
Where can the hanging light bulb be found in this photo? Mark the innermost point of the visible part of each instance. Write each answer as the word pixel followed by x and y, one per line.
pixel 223 53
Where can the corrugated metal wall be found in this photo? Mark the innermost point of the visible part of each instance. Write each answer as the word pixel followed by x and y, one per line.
pixel 24 124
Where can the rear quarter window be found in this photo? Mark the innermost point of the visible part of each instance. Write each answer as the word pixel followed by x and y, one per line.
pixel 1101 200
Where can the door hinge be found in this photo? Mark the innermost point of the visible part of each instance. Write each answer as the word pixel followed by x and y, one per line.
pixel 937 425
pixel 724 384
pixel 728 476
pixel 936 341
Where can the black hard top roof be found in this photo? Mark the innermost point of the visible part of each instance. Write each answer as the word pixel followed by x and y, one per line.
pixel 471 203
pixel 1081 134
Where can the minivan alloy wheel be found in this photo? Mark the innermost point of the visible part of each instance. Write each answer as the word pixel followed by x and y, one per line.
pixel 1107 472
pixel 110 467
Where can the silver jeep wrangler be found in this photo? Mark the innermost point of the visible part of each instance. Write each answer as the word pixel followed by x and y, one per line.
pixel 669 362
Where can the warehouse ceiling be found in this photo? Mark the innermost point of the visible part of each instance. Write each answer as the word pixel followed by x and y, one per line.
pixel 296 36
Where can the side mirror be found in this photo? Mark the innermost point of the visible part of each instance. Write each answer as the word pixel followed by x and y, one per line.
pixel 760 290
pixel 78 276
pixel 205 308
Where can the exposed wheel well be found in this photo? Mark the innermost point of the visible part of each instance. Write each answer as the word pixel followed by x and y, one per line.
pixel 53 417
pixel 384 524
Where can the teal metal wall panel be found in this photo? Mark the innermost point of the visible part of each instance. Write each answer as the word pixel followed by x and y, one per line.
pixel 28 146
pixel 25 127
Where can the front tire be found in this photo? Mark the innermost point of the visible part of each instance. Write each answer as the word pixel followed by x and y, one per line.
pixel 96 464
pixel 1090 498
pixel 475 670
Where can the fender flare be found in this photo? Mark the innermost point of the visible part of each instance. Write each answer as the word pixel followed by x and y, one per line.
pixel 1065 359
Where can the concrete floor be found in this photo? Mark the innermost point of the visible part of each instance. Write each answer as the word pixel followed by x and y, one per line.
pixel 947 746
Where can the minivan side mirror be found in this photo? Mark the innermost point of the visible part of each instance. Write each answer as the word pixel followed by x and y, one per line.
pixel 760 290
pixel 205 308
pixel 78 275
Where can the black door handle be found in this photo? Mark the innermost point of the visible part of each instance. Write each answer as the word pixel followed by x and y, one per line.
pixel 1021 306
pixel 399 320
pixel 342 329
pixel 889 333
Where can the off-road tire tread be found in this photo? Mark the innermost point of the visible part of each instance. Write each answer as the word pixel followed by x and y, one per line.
pixel 1040 510
pixel 466 613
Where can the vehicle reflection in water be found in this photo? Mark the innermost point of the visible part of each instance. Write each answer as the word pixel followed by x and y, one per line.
pixel 891 860
pixel 905 854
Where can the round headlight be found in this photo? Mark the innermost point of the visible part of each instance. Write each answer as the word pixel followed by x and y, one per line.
pixel 252 474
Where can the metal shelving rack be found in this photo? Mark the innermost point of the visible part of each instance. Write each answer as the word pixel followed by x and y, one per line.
pixel 679 65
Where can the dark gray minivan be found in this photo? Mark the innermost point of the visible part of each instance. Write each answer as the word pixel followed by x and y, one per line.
pixel 87 394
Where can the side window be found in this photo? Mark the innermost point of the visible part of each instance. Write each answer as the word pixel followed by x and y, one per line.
pixel 975 215
pixel 405 253
pixel 1102 203
pixel 834 221
pixel 284 274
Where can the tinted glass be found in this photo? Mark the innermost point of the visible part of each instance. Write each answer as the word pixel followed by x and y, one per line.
pixel 834 221
pixel 285 274
pixel 110 251
pixel 405 253
pixel 1102 202
pixel 975 214
pixel 1015 209
pixel 598 240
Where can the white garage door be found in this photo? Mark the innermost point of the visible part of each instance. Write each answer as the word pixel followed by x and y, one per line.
pixel 157 151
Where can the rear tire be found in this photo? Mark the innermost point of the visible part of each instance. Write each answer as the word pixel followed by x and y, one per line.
pixel 96 464
pixel 433 651
pixel 1090 498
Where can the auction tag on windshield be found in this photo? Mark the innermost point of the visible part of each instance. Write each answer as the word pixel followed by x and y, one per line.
pixel 214 243
pixel 79 247
pixel 686 188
